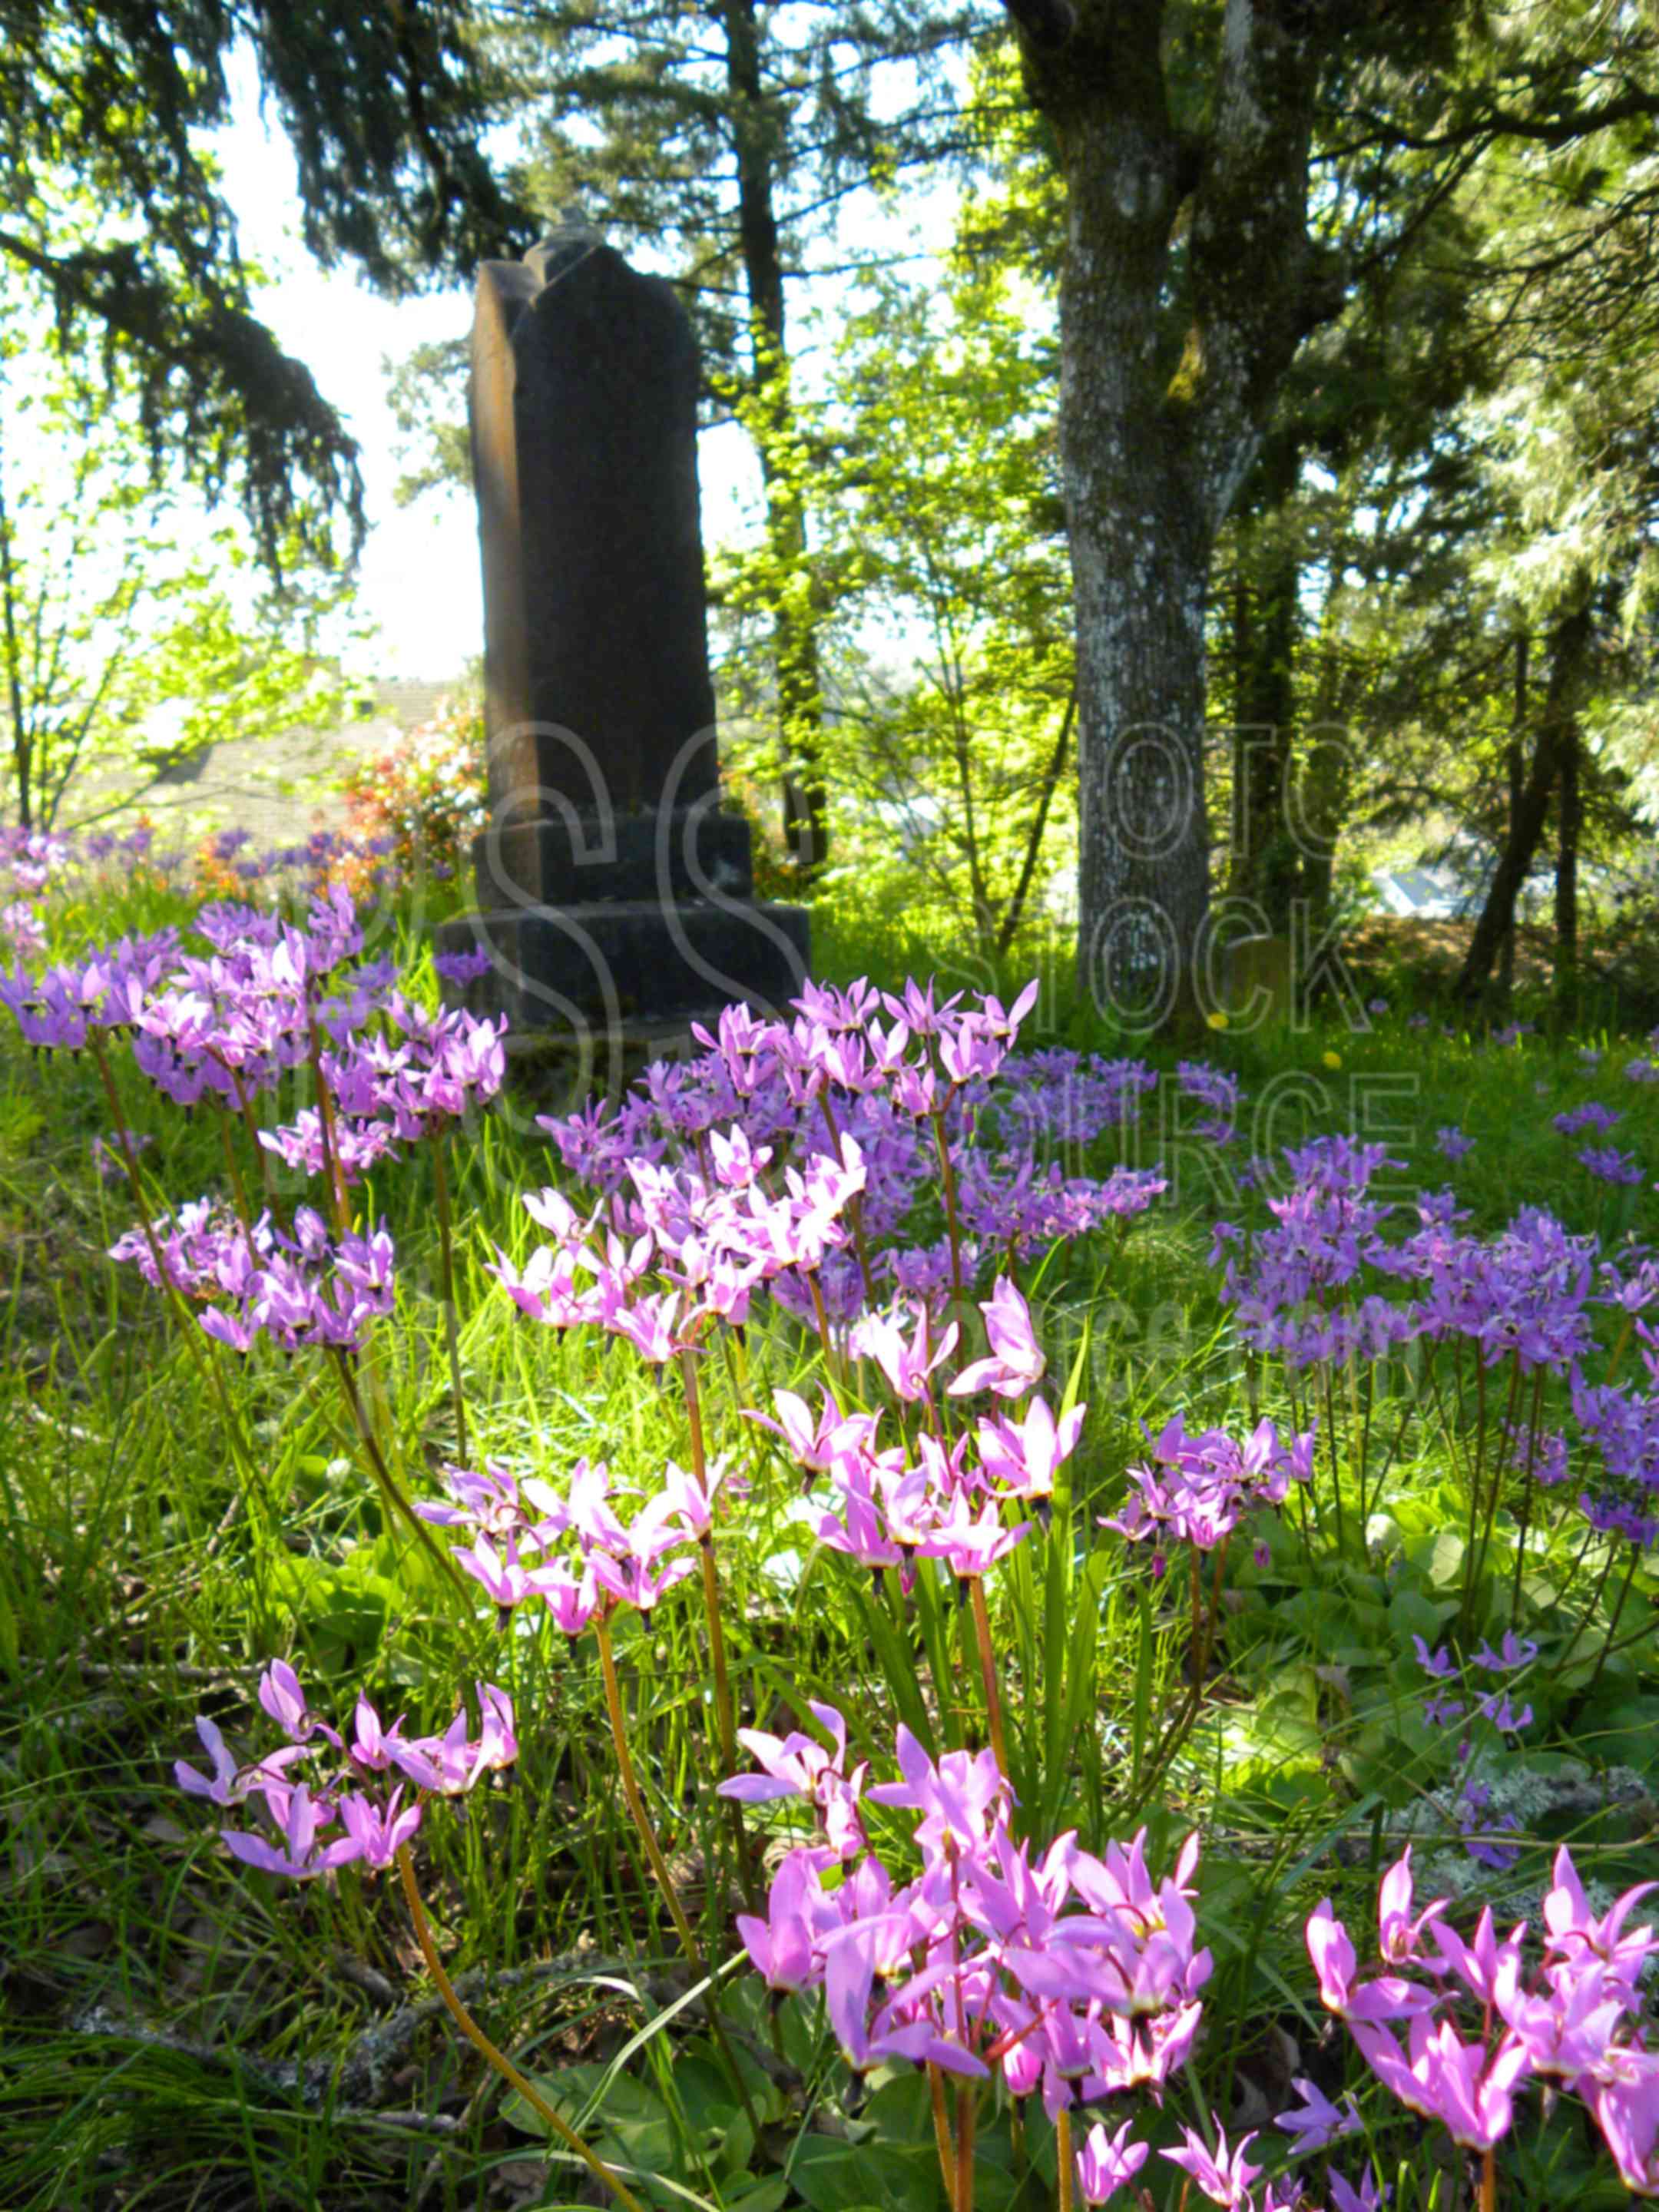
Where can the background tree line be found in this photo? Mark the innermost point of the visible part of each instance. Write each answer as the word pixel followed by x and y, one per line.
pixel 1285 371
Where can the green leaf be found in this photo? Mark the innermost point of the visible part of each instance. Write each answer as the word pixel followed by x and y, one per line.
pixel 836 2176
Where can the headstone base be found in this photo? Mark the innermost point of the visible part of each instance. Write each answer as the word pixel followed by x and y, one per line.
pixel 685 854
pixel 627 963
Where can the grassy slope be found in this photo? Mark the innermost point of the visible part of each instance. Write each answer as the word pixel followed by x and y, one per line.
pixel 159 2003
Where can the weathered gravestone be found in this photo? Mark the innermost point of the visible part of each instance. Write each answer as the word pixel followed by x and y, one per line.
pixel 615 895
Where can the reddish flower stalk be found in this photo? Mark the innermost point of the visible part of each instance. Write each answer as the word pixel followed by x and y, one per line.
pixel 447 1278
pixel 653 1852
pixel 481 2042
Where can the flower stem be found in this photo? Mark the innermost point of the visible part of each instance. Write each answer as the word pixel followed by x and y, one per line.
pixel 389 1488
pixel 947 2160
pixel 1063 2149
pixel 481 2042
pixel 1584 1697
pixel 326 1133
pixel 261 1152
pixel 447 1276
pixel 653 1853
pixel 948 1178
pixel 987 1668
pixel 241 1450
pixel 237 1187
pixel 1526 1496
pixel 966 2110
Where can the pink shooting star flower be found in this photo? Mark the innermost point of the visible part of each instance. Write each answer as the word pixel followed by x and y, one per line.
pixel 461 1764
pixel 958 1798
pixel 1017 1363
pixel 816 1448
pixel 572 1595
pixel 376 1750
pixel 281 1697
pixel 1024 1456
pixel 1568 2029
pixel 1463 2085
pixel 907 1363
pixel 625 1566
pixel 1316 2122
pixel 1575 1936
pixel 849 1969
pixel 1400 1936
pixel 972 1541
pixel 300 1818
pixel 1486 1967
pixel 375 1833
pixel 1627 2111
pixel 504 1579
pixel 1389 1997
pixel 649 1325
pixel 1223 2176
pixel 1106 2163
pixel 230 1784
pixel 692 1503
pixel 787 1947
pixel 797 1766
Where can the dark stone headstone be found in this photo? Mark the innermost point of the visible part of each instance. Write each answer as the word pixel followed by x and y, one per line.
pixel 612 888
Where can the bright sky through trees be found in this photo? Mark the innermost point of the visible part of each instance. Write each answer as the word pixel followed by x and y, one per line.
pixel 420 566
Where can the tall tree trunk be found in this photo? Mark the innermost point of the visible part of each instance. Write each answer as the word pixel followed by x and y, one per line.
pixel 1262 864
pixel 796 663
pixel 1569 643
pixel 1568 823
pixel 1154 447
pixel 22 747
pixel 1014 912
pixel 1516 762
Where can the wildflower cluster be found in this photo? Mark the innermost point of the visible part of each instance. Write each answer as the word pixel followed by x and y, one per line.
pixel 1201 1487
pixel 918 1099
pixel 322 1780
pixel 1075 1977
pixel 1485 2017
pixel 1483 1720
pixel 569 1548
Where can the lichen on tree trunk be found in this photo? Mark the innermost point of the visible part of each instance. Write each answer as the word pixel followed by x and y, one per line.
pixel 1189 282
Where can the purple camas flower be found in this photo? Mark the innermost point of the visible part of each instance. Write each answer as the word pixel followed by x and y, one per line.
pixel 1608 1165
pixel 1199 1487
pixel 1316 2121
pixel 1601 1119
pixel 1620 1426
pixel 1453 1143
pixel 462 967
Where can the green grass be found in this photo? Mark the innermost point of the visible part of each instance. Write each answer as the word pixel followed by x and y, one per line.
pixel 178 2032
